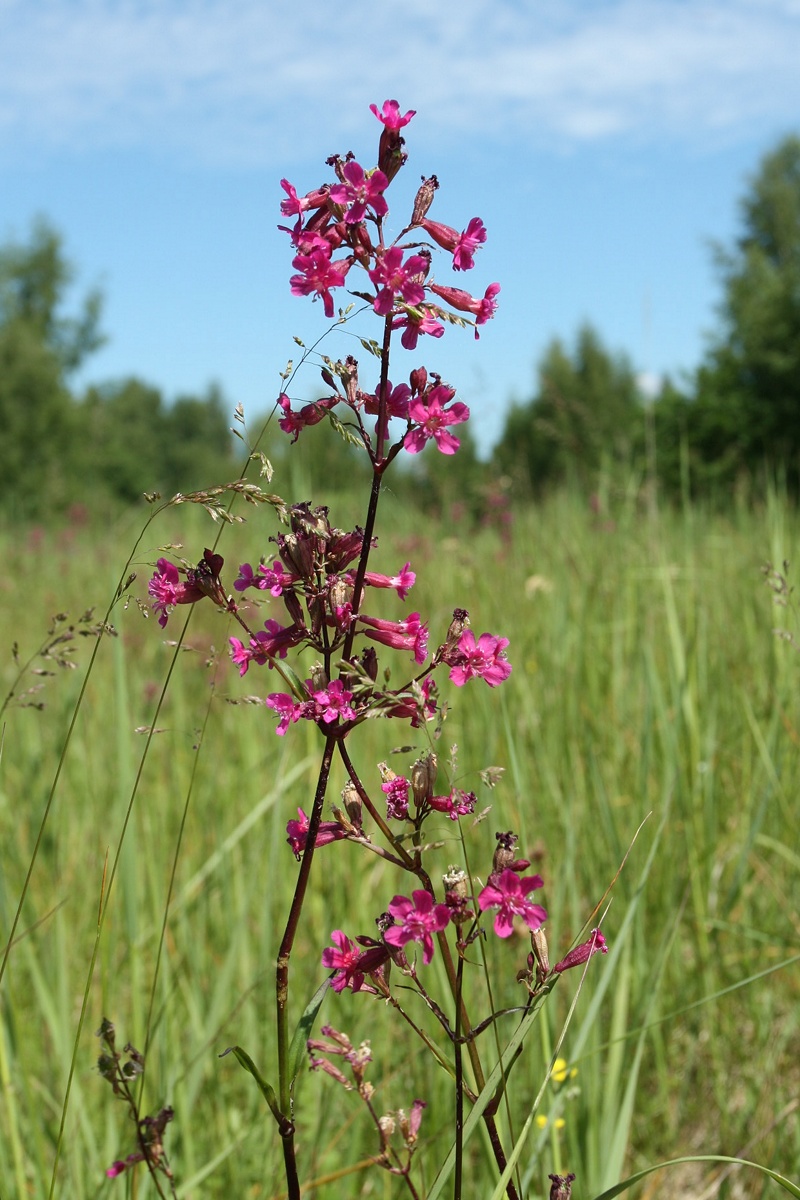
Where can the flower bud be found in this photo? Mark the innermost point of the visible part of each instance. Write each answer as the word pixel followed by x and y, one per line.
pixel 418 380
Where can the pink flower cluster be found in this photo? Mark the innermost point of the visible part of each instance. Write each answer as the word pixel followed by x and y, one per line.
pixel 314 578
pixel 339 227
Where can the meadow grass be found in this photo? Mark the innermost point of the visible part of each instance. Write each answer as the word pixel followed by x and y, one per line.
pixel 648 686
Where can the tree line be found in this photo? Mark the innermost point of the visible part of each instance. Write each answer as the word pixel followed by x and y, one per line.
pixel 735 416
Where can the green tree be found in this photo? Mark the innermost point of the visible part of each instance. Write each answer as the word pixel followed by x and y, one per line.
pixel 586 411
pixel 39 347
pixel 748 388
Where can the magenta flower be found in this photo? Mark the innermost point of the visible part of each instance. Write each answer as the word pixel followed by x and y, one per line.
pixel 432 418
pixel 508 893
pixel 409 634
pixel 419 918
pixel 286 708
pixel 396 278
pixel 457 804
pixel 318 274
pixel 360 192
pixel 402 583
pixel 461 245
pixel 485 658
pixel 333 703
pixel 396 798
pixel 168 589
pixel 596 944
pixel 295 204
pixel 420 320
pixel 417 707
pixel 297 833
pixel 343 958
pixel 119 1166
pixel 390 114
pixel 272 579
pixel 483 309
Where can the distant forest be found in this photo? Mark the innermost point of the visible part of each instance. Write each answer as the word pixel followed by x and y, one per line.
pixel 734 421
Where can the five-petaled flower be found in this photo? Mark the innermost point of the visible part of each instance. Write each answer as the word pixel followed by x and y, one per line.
pixel 360 192
pixel 420 917
pixel 509 895
pixel 484 658
pixel 431 419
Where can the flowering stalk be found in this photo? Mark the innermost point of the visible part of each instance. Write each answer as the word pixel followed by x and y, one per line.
pixel 320 576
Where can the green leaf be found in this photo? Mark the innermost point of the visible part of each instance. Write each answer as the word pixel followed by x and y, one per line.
pixel 619 1188
pixel 267 1091
pixel 297 1049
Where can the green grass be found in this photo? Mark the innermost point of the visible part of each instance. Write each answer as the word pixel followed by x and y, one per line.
pixel 647 683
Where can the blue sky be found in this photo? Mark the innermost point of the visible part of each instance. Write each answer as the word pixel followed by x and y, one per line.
pixel 604 144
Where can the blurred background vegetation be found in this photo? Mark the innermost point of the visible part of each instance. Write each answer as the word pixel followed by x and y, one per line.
pixel 729 422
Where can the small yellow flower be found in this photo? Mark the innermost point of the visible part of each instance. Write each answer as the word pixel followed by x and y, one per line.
pixel 559 1072
pixel 543 1121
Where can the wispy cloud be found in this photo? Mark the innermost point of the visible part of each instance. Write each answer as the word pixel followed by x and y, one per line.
pixel 217 80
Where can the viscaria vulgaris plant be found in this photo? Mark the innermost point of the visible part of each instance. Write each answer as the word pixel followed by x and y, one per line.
pixel 331 611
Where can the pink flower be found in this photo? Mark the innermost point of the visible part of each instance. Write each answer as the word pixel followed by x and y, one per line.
pixel 396 798
pixel 359 192
pixel 318 274
pixel 463 245
pixel 484 658
pixel 596 944
pixel 431 420
pixel 482 310
pixel 167 589
pixel 457 804
pixel 296 204
pixel 390 114
pixel 402 583
pixel 288 711
pixel 419 919
pixel 333 703
pixel 508 893
pixel 420 320
pixel 343 958
pixel 396 278
pixel 297 833
pixel 272 579
pixel 119 1166
pixel 409 634
pixel 417 707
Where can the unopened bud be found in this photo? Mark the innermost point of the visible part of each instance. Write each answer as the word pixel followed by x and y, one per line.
pixel 418 379
pixel 424 199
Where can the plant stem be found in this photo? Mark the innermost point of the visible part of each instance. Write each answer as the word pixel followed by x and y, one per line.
pixel 282 970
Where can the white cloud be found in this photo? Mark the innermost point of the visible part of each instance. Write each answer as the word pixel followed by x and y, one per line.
pixel 216 79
